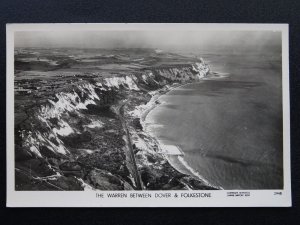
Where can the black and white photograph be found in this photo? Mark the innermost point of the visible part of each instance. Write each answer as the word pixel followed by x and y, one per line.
pixel 148 112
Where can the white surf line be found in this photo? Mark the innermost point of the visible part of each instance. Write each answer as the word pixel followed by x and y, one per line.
pixel 195 173
pixel 174 150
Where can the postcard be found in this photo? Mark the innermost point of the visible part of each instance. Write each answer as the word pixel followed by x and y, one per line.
pixel 148 115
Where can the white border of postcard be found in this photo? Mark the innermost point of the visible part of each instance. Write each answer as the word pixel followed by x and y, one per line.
pixel 215 198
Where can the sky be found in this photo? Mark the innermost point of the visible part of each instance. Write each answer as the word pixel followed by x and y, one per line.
pixel 166 40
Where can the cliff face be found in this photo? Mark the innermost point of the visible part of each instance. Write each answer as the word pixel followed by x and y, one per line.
pixel 183 73
pixel 74 140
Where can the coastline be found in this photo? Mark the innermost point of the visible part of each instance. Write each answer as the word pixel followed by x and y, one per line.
pixel 82 116
pixel 151 105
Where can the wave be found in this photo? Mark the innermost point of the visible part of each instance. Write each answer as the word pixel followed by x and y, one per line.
pixel 194 172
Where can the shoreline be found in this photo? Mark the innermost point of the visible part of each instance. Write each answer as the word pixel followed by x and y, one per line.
pixel 155 97
pixel 152 105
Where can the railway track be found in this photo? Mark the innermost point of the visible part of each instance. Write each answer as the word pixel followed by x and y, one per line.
pixel 134 169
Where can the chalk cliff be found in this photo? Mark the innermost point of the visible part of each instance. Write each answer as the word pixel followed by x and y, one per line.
pixel 74 140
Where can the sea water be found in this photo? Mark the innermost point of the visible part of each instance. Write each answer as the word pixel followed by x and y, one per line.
pixel 229 126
